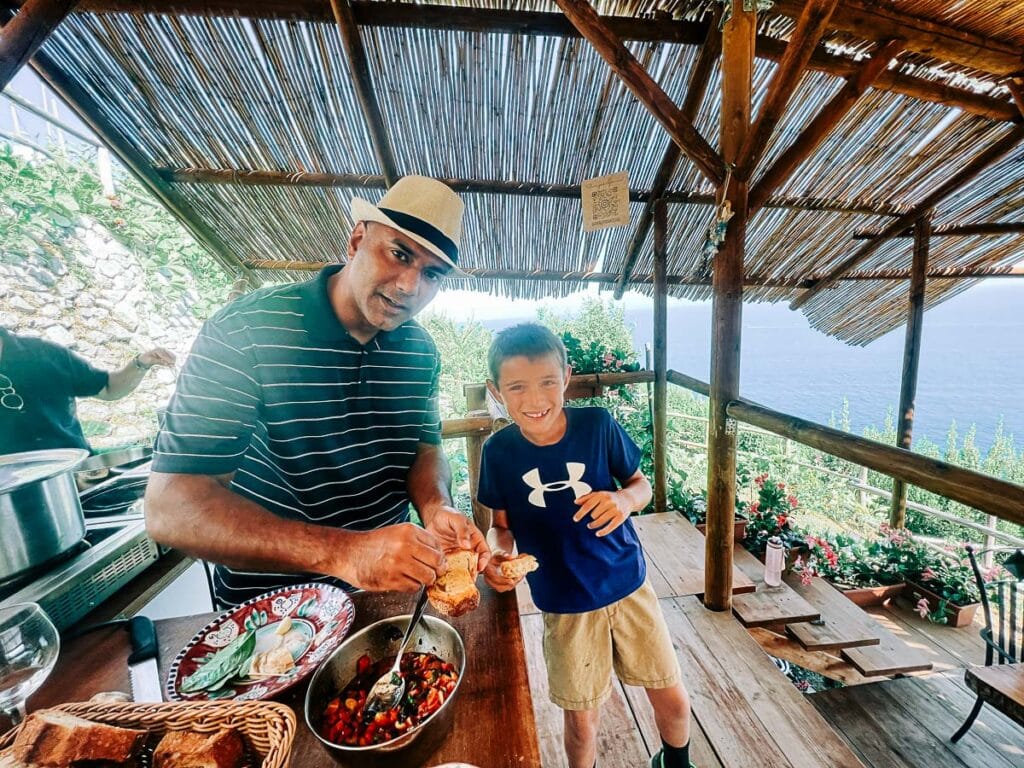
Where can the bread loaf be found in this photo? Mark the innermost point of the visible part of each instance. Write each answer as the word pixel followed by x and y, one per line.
pixel 188 749
pixel 517 567
pixel 53 739
pixel 455 593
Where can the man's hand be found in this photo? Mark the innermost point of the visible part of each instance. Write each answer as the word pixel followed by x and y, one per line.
pixel 607 508
pixel 455 531
pixel 492 573
pixel 156 356
pixel 399 557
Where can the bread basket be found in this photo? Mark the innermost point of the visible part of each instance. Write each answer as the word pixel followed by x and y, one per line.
pixel 268 727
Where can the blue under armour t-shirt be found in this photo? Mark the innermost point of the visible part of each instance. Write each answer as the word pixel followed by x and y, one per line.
pixel 537 487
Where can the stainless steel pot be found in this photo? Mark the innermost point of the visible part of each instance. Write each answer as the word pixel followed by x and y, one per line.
pixel 40 514
pixel 380 640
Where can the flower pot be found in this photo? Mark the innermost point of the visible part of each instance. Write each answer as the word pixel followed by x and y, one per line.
pixel 739 528
pixel 868 596
pixel 955 615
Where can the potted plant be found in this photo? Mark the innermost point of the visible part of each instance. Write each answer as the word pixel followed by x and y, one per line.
pixel 772 515
pixel 694 507
pixel 946 592
pixel 876 571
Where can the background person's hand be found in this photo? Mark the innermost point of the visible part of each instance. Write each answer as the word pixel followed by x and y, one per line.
pixel 156 356
pixel 498 581
pixel 400 557
pixel 607 509
pixel 456 531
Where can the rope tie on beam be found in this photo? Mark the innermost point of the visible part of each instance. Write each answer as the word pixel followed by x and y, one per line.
pixel 759 6
pixel 718 228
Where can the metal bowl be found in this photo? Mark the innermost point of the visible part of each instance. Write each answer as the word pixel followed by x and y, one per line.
pixel 380 640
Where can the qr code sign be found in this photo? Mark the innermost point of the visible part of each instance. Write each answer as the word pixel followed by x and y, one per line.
pixel 605 201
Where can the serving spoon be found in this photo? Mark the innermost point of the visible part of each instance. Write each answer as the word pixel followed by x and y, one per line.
pixel 389 689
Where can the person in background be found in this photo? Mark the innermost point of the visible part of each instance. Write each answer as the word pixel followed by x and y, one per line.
pixel 562 483
pixel 40 381
pixel 306 420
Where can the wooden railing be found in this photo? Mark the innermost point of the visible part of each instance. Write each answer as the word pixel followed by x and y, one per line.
pixel 998 498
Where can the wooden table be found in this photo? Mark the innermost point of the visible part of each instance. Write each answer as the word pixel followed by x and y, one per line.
pixel 493 724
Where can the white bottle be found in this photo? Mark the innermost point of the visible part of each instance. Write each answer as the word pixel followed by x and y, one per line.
pixel 773 561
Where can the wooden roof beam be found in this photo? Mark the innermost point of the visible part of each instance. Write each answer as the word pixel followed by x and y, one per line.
pixel 870 20
pixel 967 174
pixel 751 281
pixel 21 36
pixel 993 229
pixel 487 187
pixel 823 123
pixel 643 86
pixel 696 89
pixel 411 16
pixel 1016 86
pixel 363 84
pixel 89 112
pixel 809 29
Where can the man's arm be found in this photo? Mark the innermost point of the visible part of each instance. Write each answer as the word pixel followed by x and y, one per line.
pixel 200 515
pixel 124 381
pixel 429 486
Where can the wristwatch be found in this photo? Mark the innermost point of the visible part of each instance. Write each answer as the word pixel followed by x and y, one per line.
pixel 139 365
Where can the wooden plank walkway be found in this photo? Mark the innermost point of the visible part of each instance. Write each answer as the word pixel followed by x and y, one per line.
pixel 768 605
pixel 842 624
pixel 906 723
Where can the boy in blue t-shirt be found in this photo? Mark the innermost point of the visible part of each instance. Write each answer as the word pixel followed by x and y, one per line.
pixel 562 483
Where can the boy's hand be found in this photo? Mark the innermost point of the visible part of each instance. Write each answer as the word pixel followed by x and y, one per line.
pixel 608 509
pixel 492 573
pixel 456 531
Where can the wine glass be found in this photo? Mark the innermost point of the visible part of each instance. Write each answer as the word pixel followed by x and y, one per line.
pixel 29 645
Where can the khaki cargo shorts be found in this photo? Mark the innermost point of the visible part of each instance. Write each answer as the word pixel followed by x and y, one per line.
pixel 581 649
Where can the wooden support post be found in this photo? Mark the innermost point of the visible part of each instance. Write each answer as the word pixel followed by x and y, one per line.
pixel 649 93
pixel 862 495
pixel 363 84
pixel 727 314
pixel 660 357
pixel 911 359
pixel 21 37
pixel 964 176
pixel 476 403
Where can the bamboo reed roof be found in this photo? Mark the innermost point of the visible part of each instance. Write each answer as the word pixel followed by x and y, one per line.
pixel 230 87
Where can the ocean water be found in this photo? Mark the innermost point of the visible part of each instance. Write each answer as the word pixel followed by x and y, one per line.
pixel 972 363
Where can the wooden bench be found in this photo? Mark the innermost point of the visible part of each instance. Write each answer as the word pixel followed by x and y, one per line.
pixel 1001 686
pixel 768 605
pixel 842 624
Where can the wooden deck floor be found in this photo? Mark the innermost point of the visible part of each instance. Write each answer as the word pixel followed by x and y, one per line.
pixel 906 723
pixel 748 715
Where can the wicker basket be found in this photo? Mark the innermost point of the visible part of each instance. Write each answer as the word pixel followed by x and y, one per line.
pixel 268 727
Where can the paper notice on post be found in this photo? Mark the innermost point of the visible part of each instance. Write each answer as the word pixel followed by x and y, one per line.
pixel 605 201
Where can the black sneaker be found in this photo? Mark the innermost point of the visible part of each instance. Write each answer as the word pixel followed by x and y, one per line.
pixel 658 762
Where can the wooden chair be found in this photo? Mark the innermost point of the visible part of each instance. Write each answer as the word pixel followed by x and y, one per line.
pixel 1002 686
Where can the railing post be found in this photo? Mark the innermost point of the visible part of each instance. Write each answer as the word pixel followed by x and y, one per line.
pixel 862 495
pixel 476 405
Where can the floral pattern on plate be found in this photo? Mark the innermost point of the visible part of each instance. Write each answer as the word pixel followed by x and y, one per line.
pixel 321 617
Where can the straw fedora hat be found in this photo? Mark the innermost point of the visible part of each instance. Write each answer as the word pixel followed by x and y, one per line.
pixel 425 210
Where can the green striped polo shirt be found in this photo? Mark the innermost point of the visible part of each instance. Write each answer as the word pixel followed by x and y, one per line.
pixel 314 425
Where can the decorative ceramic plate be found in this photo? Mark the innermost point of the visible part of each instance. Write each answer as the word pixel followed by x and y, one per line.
pixel 321 615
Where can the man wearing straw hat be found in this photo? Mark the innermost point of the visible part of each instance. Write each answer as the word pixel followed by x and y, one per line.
pixel 306 419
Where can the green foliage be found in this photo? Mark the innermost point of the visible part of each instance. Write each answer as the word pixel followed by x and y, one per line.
pixel 44 202
pixel 597 322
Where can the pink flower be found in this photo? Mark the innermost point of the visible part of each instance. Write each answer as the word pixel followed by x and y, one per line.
pixel 805 578
pixel 928 574
pixel 755 507
pixel 608 357
pixel 922 608
pixel 792 500
pixel 799 562
pixel 781 486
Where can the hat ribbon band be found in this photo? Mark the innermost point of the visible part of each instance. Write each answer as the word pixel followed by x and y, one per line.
pixel 425 230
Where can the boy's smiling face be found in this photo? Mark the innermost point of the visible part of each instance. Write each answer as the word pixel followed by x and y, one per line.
pixel 533 390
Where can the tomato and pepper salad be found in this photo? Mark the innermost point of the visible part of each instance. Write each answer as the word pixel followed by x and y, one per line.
pixel 429 681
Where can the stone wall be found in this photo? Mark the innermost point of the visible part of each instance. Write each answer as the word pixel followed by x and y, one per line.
pixel 97 303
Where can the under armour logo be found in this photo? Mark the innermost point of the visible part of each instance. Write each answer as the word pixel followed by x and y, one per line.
pixel 575 470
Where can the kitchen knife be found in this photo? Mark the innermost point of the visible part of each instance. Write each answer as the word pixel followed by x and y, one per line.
pixel 142 669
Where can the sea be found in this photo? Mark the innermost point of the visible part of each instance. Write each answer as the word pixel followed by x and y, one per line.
pixel 971 370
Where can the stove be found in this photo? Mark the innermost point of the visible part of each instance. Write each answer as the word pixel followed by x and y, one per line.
pixel 115 550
